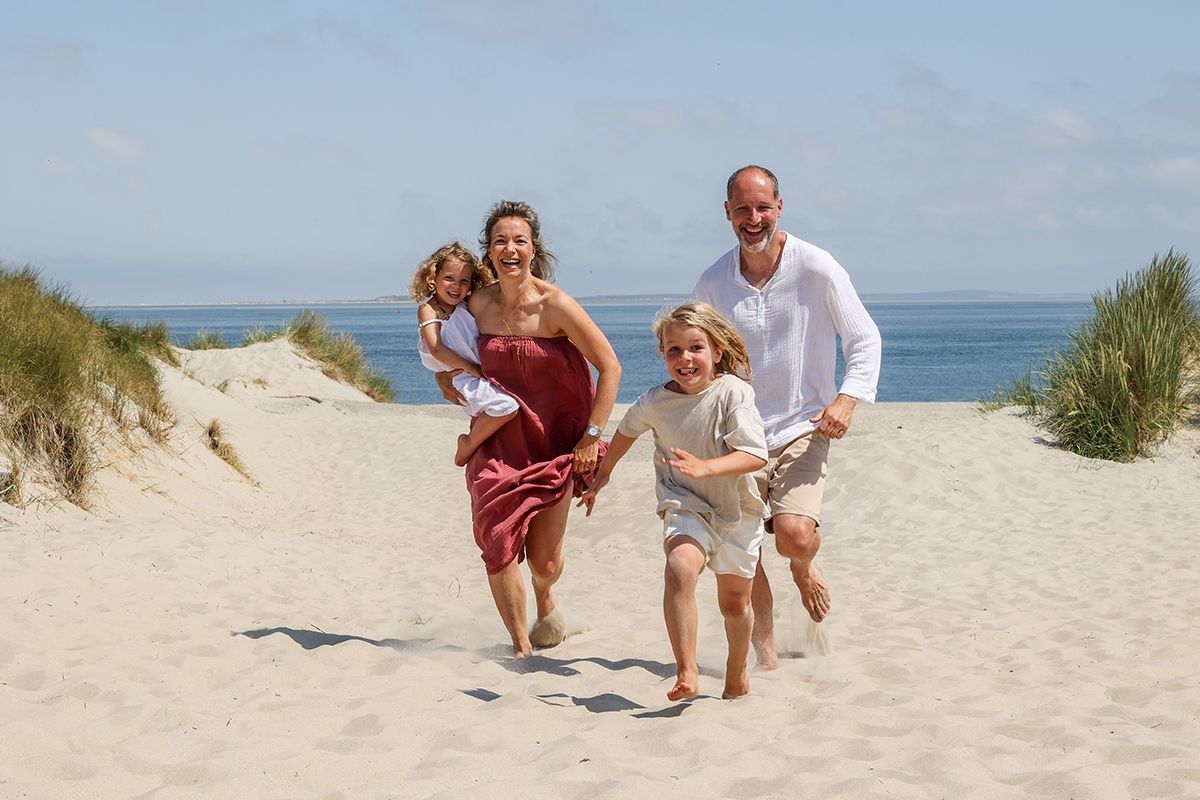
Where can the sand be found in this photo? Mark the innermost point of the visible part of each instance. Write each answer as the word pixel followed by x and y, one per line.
pixel 1009 621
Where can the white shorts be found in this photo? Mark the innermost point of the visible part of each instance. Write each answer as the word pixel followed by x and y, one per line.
pixel 483 397
pixel 731 549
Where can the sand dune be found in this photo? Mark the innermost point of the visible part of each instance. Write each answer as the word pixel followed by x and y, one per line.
pixel 1009 621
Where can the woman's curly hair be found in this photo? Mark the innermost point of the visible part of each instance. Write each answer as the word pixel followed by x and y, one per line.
pixel 543 262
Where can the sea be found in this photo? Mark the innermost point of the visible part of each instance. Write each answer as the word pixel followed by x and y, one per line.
pixel 932 351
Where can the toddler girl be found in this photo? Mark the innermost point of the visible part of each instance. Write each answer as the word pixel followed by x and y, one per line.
pixel 443 282
pixel 708 441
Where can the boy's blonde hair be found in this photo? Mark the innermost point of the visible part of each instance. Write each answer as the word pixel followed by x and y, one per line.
pixel 721 334
pixel 421 288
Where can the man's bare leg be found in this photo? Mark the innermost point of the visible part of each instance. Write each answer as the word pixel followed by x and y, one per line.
pixel 483 427
pixel 508 590
pixel 733 596
pixel 685 560
pixel 797 539
pixel 543 552
pixel 762 634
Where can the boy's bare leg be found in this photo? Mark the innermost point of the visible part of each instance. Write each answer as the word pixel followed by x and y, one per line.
pixel 762 635
pixel 543 553
pixel 508 590
pixel 483 427
pixel 733 596
pixel 685 560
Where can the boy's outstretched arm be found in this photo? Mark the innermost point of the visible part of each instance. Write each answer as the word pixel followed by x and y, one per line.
pixel 738 462
pixel 617 448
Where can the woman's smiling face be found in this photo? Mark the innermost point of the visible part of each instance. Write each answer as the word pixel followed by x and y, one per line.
pixel 510 247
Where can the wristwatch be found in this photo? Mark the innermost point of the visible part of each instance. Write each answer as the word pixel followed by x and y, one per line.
pixel 593 430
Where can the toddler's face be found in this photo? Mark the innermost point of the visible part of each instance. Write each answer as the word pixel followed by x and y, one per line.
pixel 453 281
pixel 689 356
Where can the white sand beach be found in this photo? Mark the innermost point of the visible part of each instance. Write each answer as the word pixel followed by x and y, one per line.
pixel 1009 621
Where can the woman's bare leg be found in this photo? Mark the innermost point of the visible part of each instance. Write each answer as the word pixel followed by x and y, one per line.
pixel 508 590
pixel 543 552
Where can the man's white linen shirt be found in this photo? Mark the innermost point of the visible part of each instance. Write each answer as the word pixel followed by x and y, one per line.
pixel 791 327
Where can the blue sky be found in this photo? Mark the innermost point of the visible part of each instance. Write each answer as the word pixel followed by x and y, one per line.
pixel 192 151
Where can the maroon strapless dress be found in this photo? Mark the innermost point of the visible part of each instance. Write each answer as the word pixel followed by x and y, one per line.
pixel 525 467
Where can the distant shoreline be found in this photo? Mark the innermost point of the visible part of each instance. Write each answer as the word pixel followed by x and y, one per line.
pixel 959 296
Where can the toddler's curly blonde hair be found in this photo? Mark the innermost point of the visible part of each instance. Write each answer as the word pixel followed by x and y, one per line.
pixel 421 288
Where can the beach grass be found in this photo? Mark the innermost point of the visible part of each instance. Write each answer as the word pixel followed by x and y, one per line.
pixel 63 373
pixel 1128 376
pixel 217 440
pixel 341 358
pixel 204 339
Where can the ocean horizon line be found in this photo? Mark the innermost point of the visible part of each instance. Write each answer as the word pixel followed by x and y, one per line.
pixel 652 298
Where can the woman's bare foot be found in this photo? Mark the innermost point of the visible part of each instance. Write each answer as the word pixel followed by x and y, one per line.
pixel 686 685
pixel 464 451
pixel 550 630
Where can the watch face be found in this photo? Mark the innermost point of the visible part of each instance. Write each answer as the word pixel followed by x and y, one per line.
pixel 592 430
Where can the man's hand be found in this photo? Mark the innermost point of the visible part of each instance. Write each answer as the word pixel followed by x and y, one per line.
pixel 835 418
pixel 445 382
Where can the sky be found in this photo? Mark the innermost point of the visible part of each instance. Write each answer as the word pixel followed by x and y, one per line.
pixel 197 152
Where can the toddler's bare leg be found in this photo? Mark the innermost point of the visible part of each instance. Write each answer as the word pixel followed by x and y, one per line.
pixel 733 595
pixel 483 427
pixel 685 560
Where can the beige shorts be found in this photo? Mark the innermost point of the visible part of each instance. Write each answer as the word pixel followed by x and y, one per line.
pixel 731 549
pixel 793 481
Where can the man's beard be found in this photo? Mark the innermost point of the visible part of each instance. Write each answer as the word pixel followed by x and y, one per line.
pixel 762 245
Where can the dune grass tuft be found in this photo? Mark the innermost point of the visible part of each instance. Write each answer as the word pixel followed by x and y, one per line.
pixel 62 372
pixel 207 340
pixel 1128 376
pixel 218 441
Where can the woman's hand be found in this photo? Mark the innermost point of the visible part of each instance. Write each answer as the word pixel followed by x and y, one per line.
pixel 585 455
pixel 445 382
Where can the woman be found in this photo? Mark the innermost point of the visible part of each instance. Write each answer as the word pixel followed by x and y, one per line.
pixel 535 343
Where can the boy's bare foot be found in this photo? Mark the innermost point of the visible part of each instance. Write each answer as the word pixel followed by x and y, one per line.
pixel 464 451
pixel 736 685
pixel 815 593
pixel 765 654
pixel 686 685
pixel 550 630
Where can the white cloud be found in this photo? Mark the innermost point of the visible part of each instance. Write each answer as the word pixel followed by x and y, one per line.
pixel 117 146
pixel 58 165
pixel 1181 171
pixel 1061 127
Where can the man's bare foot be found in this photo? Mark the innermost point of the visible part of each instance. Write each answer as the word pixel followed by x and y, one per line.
pixel 814 592
pixel 686 685
pixel 549 630
pixel 464 451
pixel 736 685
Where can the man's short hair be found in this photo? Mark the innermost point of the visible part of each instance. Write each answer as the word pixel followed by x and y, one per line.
pixel 738 173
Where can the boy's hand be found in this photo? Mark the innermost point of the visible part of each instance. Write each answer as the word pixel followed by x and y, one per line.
pixel 588 498
pixel 688 464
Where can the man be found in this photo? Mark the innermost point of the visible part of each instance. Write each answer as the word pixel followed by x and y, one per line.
pixel 791 300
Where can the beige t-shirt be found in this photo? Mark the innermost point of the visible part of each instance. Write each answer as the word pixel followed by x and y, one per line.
pixel 709 424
